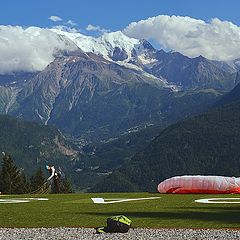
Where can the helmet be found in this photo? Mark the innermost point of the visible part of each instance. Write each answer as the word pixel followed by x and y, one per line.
pixel 47 167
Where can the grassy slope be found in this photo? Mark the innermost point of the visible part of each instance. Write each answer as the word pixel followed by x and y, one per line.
pixel 78 210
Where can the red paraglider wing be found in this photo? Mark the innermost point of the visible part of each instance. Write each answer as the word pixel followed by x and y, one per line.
pixel 200 184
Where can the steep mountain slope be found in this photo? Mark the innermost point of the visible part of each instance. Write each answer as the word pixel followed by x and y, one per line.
pixel 33 145
pixel 192 73
pixel 15 79
pixel 233 95
pixel 7 98
pixel 89 97
pixel 10 85
pixel 206 144
pixel 85 93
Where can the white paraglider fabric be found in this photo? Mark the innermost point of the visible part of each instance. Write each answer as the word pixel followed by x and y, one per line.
pixel 200 184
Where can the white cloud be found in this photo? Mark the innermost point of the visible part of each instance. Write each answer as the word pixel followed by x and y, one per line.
pixel 218 40
pixel 55 18
pixel 30 49
pixel 93 28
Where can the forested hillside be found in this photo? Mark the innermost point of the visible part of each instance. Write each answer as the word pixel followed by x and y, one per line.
pixel 205 144
pixel 32 145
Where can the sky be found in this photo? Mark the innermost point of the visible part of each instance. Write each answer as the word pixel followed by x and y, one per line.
pixel 112 14
pixel 210 28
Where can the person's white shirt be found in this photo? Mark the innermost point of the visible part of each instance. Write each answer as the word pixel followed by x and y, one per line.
pixel 53 172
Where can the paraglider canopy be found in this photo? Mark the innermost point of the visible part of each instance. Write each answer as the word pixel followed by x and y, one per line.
pixel 200 184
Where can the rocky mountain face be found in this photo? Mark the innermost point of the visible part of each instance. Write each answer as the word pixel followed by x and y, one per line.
pixel 15 79
pixel 86 94
pixel 10 85
pixel 192 73
pixel 91 98
pixel 233 95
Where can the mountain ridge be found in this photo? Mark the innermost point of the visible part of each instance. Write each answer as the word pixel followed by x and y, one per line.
pixel 176 68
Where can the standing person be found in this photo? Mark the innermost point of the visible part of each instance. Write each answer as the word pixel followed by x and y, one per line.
pixel 55 176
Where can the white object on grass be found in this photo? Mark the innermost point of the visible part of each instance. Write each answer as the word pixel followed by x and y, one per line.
pixel 119 200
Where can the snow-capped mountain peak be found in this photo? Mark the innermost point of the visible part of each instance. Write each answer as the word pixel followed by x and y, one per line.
pixel 119 40
pixel 114 46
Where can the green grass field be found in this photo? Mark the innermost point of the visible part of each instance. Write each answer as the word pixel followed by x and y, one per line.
pixel 78 210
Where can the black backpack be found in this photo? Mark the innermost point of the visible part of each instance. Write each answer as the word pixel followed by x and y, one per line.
pixel 116 224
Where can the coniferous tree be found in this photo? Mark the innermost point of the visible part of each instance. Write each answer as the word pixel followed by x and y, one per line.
pixel 0 181
pixel 13 179
pixel 37 180
pixel 66 186
pixel 23 185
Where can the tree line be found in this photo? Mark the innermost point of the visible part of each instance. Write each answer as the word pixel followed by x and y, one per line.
pixel 14 181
